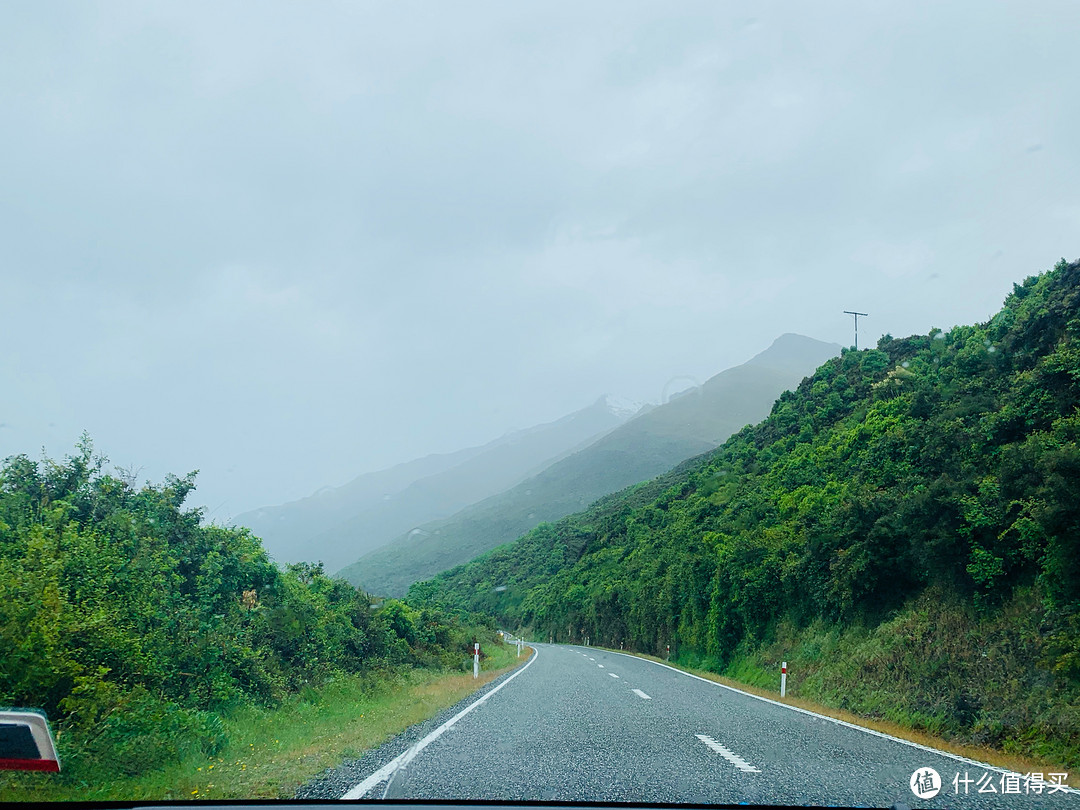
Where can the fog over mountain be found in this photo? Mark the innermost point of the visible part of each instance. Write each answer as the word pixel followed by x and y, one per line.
pixel 337 524
pixel 288 244
pixel 649 444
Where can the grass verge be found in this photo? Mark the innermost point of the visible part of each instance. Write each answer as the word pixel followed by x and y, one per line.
pixel 271 752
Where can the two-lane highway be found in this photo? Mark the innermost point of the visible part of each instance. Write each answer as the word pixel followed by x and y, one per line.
pixel 581 724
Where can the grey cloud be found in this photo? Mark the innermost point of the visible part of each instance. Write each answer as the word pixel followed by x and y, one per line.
pixel 310 240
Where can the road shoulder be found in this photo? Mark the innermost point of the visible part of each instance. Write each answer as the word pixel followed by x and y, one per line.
pixel 335 782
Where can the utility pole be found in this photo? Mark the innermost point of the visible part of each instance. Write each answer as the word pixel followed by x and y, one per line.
pixel 856 314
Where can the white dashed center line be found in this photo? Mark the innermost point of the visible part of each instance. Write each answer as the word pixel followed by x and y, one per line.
pixel 641 695
pixel 613 675
pixel 600 665
pixel 730 756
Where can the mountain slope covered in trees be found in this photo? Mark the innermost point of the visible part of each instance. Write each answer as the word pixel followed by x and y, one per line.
pixel 904 529
pixel 649 444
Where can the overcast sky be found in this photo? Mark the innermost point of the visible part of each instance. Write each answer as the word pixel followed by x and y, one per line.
pixel 287 243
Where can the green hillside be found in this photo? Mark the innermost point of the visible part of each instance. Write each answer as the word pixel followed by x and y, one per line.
pixel 647 445
pixel 904 529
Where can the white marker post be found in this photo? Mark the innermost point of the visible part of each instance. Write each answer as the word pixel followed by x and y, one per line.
pixel 783 679
pixel 476 659
pixel 519 648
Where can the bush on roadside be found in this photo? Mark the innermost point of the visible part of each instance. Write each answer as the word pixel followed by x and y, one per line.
pixel 133 626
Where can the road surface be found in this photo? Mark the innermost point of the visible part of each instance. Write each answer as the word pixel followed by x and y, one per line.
pixel 581 724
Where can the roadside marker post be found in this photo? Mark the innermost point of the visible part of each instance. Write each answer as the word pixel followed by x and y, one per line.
pixel 783 679
pixel 519 648
pixel 476 659
pixel 668 658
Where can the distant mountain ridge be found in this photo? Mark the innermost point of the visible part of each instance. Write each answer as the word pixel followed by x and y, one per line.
pixel 338 524
pixel 331 505
pixel 651 443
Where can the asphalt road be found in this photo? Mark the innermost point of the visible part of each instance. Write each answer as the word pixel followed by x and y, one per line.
pixel 580 724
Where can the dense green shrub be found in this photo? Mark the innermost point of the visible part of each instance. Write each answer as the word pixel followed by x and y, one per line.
pixel 133 625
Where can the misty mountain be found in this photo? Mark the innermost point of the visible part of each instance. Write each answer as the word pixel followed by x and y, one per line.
pixel 339 524
pixel 689 424
pixel 282 528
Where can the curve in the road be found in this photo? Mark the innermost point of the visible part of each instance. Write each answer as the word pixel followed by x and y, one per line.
pixel 586 725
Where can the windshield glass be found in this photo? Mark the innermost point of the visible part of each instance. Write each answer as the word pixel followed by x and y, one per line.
pixel 609 402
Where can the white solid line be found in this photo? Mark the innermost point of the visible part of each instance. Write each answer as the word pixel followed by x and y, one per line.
pixel 405 757
pixel 728 754
pixel 844 723
pixel 641 695
pixel 613 675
